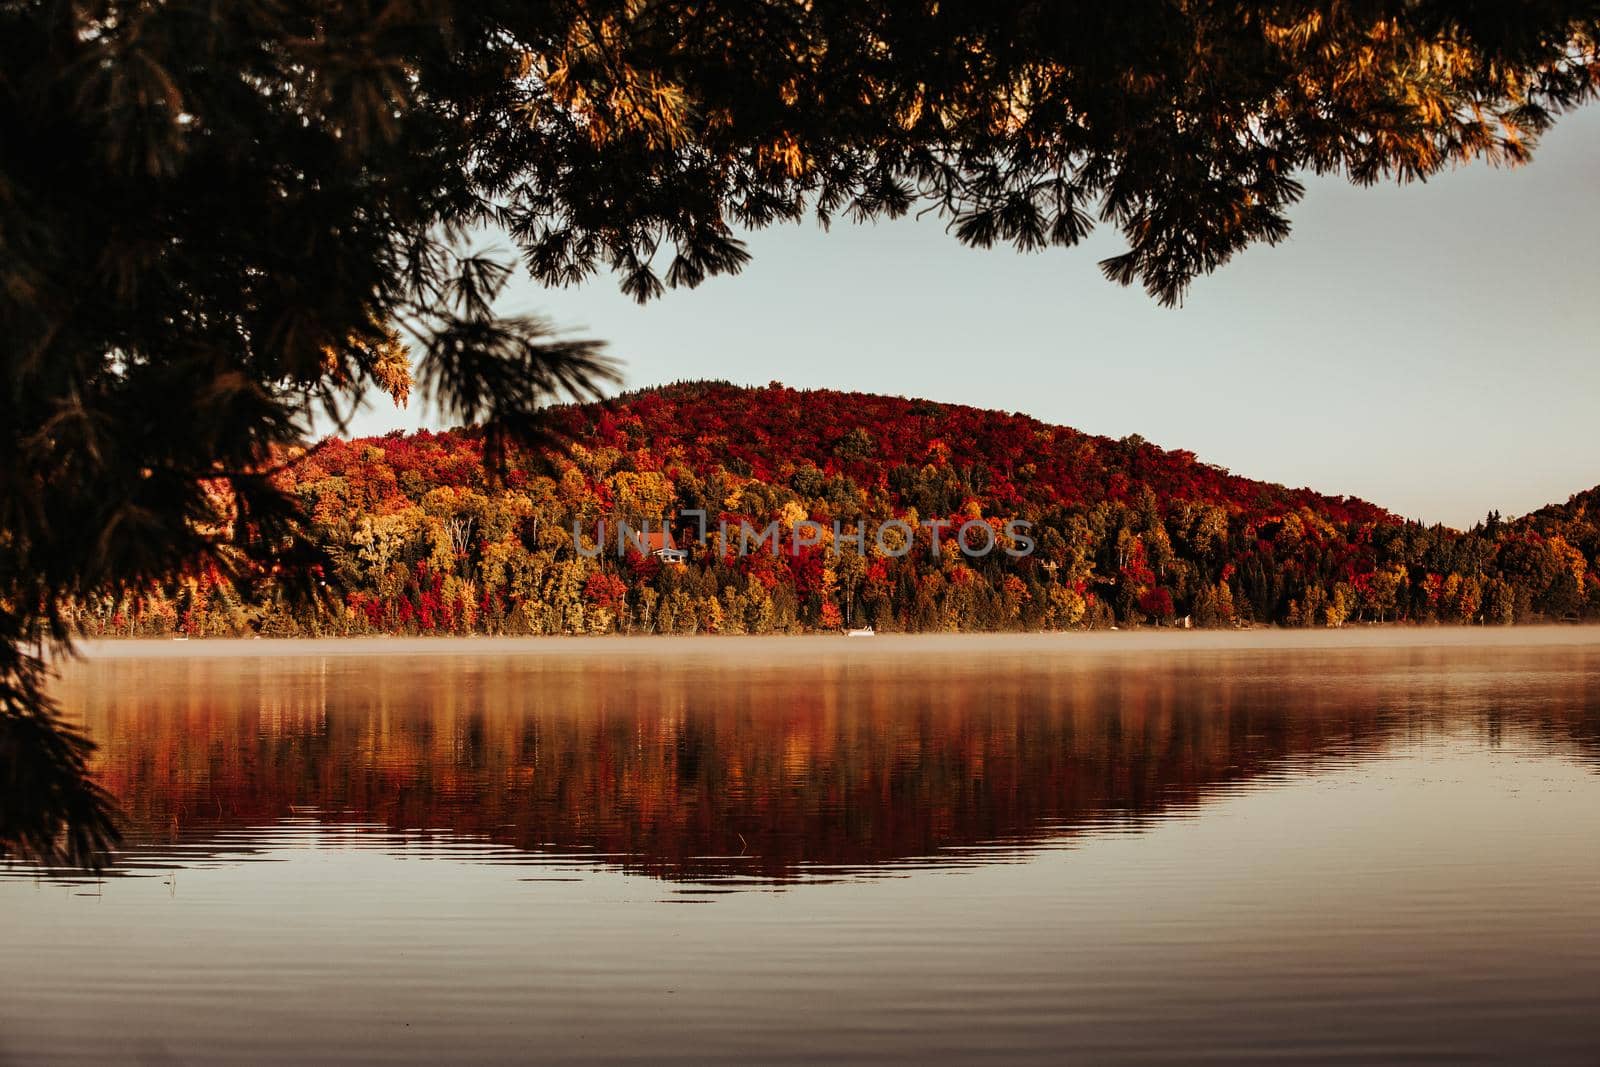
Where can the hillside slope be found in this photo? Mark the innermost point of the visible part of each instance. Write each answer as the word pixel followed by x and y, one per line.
pixel 1015 460
pixel 1012 523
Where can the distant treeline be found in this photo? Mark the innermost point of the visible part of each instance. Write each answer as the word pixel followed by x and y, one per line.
pixel 421 539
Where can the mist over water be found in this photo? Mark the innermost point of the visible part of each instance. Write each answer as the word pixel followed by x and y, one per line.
pixel 1368 845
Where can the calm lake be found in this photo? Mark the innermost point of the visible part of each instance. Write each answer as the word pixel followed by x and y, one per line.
pixel 1375 846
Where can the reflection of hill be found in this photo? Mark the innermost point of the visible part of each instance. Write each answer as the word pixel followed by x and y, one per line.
pixel 677 767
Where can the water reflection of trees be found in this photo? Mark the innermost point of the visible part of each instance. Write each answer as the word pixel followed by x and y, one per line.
pixel 691 769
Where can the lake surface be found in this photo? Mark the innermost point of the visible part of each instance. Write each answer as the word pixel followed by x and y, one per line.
pixel 1382 846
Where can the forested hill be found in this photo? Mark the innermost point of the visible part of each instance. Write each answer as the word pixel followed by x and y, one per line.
pixel 1061 530
pixel 884 445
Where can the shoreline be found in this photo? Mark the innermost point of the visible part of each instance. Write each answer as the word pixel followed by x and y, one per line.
pixel 1070 641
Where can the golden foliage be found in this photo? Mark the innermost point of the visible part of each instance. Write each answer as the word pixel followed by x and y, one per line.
pixel 385 363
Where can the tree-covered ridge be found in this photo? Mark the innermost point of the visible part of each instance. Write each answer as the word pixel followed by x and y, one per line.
pixel 423 538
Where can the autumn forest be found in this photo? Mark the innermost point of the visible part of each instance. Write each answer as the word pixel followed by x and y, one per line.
pixel 422 537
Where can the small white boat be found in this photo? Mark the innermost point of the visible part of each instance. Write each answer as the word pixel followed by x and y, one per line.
pixel 863 632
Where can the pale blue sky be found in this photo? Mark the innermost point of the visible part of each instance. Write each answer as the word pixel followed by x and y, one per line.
pixel 1431 348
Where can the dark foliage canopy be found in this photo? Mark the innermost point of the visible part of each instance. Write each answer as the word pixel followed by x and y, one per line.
pixel 217 219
